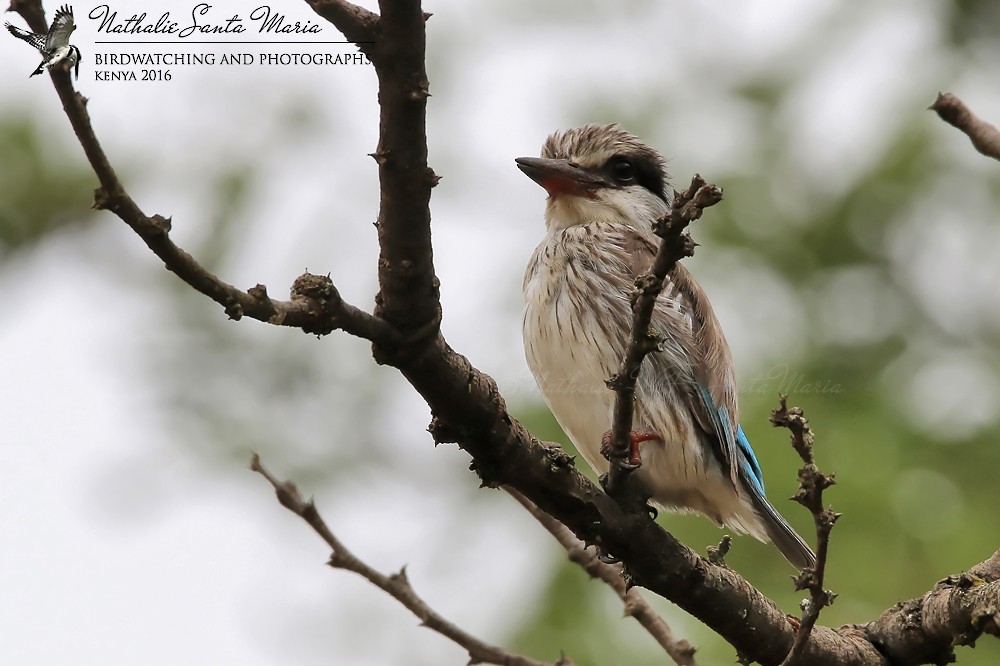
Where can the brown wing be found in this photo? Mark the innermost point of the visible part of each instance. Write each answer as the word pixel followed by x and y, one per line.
pixel 685 317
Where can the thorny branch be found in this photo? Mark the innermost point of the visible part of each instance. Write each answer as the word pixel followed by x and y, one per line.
pixel 397 585
pixel 812 483
pixel 467 406
pixel 636 605
pixel 984 136
pixel 687 207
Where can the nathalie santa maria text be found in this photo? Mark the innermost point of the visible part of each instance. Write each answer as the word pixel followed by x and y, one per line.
pixel 200 23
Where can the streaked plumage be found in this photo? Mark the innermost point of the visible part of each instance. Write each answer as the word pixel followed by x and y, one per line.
pixel 53 45
pixel 606 187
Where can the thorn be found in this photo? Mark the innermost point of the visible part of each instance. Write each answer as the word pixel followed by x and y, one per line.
pixel 258 292
pixel 615 382
pixel 163 224
pixel 400 577
pixel 234 311
pixel 432 178
pixel 422 91
pixel 101 199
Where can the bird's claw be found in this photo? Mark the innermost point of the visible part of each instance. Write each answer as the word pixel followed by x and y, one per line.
pixel 631 459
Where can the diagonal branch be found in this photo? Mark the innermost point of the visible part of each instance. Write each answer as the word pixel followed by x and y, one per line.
pixel 679 650
pixel 984 136
pixel 396 585
pixel 957 611
pixel 674 245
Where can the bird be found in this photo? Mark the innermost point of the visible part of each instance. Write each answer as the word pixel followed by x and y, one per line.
pixel 605 189
pixel 53 45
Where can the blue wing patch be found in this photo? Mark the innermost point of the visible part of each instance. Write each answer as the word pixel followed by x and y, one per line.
pixel 733 446
pixel 755 472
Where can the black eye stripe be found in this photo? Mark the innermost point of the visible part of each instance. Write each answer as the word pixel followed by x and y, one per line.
pixel 643 171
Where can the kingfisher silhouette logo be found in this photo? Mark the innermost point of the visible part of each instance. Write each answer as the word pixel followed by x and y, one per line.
pixel 54 44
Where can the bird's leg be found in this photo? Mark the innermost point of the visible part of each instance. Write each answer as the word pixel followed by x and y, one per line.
pixel 636 437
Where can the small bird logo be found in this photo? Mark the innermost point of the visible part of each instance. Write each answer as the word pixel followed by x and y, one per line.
pixel 53 45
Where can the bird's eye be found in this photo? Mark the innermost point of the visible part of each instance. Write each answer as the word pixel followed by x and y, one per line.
pixel 623 171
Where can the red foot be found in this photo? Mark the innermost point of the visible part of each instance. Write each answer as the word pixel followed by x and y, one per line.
pixel 636 437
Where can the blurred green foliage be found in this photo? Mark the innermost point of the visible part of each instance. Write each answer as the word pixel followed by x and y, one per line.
pixel 40 192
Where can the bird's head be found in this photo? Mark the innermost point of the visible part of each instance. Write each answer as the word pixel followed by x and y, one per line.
pixel 74 59
pixel 599 173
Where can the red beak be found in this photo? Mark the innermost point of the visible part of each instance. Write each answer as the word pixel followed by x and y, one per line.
pixel 561 177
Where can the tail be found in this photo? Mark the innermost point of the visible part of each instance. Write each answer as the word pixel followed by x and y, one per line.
pixel 38 70
pixel 791 545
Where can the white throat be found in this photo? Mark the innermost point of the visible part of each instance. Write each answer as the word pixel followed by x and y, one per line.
pixel 634 205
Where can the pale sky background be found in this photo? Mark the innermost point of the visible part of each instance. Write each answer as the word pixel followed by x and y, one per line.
pixel 119 545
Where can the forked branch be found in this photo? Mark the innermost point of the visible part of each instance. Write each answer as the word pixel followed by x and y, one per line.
pixel 397 585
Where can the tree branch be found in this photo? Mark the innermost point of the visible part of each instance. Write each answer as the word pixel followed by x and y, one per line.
pixel 408 295
pixel 679 650
pixel 984 136
pixel 687 206
pixel 812 483
pixel 956 612
pixel 396 585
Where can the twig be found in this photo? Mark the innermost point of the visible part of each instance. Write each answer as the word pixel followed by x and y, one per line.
pixel 674 245
pixel 636 605
pixel 984 136
pixel 717 554
pixel 812 483
pixel 396 585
